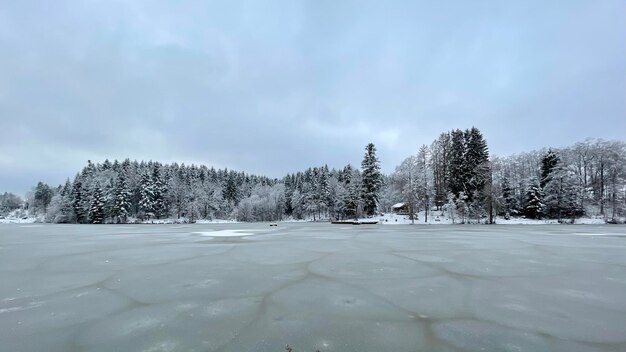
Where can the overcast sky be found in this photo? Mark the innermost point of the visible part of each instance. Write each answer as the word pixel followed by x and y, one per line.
pixel 271 87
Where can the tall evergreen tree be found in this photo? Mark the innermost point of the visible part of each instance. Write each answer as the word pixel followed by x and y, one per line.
pixel 371 179
pixel 230 190
pixel 121 200
pixel 476 161
pixel 146 189
pixel 79 201
pixel 534 200
pixel 548 163
pixel 457 173
pixel 96 210
pixel 158 193
pixel 561 194
pixel 509 202
pixel 66 212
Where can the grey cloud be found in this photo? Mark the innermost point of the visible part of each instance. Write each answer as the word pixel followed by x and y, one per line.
pixel 275 87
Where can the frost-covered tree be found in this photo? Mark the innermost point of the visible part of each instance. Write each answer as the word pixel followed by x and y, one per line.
pixel 477 165
pixel 534 200
pixel 371 179
pixel 450 208
pixel 457 167
pixel 561 194
pixel 230 191
pixel 9 202
pixel 548 163
pixel 440 153
pixel 461 206
pixel 146 190
pixel 157 193
pixel 121 200
pixel 42 197
pixel 405 180
pixel 508 201
pixel 96 210
pixel 424 180
pixel 79 201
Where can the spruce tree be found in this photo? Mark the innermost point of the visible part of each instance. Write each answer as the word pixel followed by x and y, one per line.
pixel 456 171
pixel 158 193
pixel 96 210
pixel 561 194
pixel 121 200
pixel 78 201
pixel 548 164
pixel 145 196
pixel 476 160
pixel 230 191
pixel 534 200
pixel 353 195
pixel 509 202
pixel 66 212
pixel 371 179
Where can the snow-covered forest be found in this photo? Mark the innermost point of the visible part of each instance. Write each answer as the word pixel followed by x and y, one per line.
pixel 454 174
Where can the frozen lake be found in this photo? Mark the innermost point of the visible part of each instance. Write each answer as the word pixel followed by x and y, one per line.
pixel 251 287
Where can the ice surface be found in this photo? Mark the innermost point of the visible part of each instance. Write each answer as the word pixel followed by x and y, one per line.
pixel 249 287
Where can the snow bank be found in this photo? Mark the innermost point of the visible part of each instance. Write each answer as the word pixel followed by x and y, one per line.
pixel 17 221
pixel 438 218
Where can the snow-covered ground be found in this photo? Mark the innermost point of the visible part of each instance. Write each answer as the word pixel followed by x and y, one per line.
pixel 439 218
pixel 17 221
pixel 17 216
pixel 313 286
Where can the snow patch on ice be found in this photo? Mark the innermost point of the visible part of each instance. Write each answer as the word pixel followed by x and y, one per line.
pixel 227 233
pixel 217 221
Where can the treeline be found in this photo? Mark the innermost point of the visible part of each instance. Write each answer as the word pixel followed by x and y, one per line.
pixel 456 175
pixel 116 192
pixel 588 178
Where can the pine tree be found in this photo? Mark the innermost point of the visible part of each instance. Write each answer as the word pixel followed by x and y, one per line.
pixel 323 189
pixel 96 210
pixel 145 196
pixel 66 214
pixel 509 202
pixel 548 164
pixel 121 200
pixel 78 201
pixel 230 191
pixel 158 193
pixel 561 194
pixel 534 200
pixel 477 164
pixel 371 179
pixel 457 175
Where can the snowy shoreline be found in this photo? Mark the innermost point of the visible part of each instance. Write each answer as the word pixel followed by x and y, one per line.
pixel 388 219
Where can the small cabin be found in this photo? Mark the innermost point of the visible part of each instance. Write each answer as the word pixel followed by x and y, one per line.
pixel 400 209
